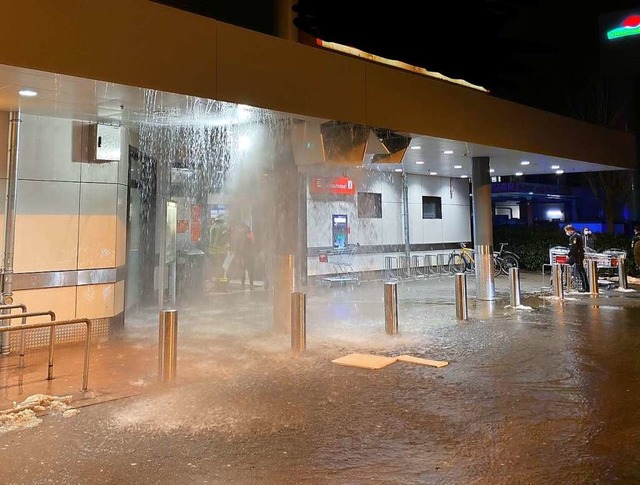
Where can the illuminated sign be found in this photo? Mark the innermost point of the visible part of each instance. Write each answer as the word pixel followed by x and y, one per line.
pixel 338 185
pixel 629 26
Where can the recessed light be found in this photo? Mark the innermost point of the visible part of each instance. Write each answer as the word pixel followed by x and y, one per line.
pixel 433 173
pixel 448 152
pixel 530 193
pixel 491 170
pixel 559 172
pixel 555 167
pixel 416 147
pixel 398 170
pixel 457 166
pixel 419 162
pixel 525 162
pixel 27 93
pixel 464 176
pixel 518 174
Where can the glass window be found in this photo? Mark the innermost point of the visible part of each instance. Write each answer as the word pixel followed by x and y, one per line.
pixel 369 205
pixel 431 207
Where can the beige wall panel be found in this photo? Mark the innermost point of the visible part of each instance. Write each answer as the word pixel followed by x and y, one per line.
pixel 61 300
pixel 409 102
pixel 98 220
pixel 45 149
pixel 118 306
pixel 265 71
pixel 133 42
pixel 121 227
pixel 496 122
pixel 95 301
pixel 46 226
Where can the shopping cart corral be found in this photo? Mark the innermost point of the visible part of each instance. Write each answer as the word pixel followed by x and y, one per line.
pixel 606 262
pixel 341 260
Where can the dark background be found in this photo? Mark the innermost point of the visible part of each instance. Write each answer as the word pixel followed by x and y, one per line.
pixel 542 53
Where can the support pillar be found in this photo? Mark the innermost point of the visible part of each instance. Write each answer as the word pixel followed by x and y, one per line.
pixel 482 228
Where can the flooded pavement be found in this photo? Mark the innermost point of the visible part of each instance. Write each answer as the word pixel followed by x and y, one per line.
pixel 548 393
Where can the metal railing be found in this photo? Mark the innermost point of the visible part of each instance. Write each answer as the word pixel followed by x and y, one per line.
pixel 52 325
pixel 24 320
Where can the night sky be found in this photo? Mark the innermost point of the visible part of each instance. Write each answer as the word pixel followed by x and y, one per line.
pixel 543 53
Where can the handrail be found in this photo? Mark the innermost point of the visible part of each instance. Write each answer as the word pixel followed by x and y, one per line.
pixel 24 320
pixel 24 317
pixel 24 310
pixel 52 325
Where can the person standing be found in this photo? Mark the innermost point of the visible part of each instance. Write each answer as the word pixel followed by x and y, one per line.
pixel 243 249
pixel 635 247
pixel 576 255
pixel 589 242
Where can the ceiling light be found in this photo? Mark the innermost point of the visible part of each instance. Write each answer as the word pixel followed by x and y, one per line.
pixel 457 166
pixel 433 173
pixel 530 193
pixel 555 167
pixel 525 162
pixel 27 93
pixel 559 172
pixel 398 170
pixel 518 174
pixel 464 176
pixel 448 152
pixel 419 162
pixel 416 147
pixel 491 170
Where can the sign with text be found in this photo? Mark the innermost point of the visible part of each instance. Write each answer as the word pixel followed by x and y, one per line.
pixel 332 185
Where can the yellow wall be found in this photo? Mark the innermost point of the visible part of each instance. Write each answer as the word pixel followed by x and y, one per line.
pixel 141 43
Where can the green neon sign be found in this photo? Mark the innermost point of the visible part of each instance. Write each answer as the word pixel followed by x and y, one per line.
pixel 630 26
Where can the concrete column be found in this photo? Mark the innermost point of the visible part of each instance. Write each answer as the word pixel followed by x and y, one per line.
pixel 284 15
pixel 482 228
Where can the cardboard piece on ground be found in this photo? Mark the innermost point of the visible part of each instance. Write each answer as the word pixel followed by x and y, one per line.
pixel 417 360
pixel 365 361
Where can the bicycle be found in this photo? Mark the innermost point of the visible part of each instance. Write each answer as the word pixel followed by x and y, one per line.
pixel 504 260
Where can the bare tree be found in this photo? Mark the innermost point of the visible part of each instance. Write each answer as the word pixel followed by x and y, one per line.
pixel 602 103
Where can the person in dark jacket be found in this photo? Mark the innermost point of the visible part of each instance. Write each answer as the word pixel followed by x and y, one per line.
pixel 576 255
pixel 589 242
pixel 635 247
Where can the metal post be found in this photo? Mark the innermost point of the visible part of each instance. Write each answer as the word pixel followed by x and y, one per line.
pixel 10 218
pixel 593 276
pixel 405 215
pixel 283 278
pixel 482 228
pixel 167 348
pixel 514 280
pixel 462 310
pixel 558 288
pixel 565 271
pixel 391 307
pixel 298 321
pixel 622 273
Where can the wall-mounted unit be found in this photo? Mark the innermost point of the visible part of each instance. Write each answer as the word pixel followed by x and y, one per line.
pixel 95 142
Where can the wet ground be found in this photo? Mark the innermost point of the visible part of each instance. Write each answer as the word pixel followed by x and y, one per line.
pixel 547 393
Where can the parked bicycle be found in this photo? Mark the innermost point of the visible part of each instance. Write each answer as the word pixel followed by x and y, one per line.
pixel 504 260
pixel 463 261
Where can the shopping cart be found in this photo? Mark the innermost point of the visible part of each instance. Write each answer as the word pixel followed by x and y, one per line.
pixel 341 260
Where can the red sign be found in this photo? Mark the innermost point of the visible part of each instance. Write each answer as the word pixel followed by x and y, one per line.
pixel 337 185
pixel 196 223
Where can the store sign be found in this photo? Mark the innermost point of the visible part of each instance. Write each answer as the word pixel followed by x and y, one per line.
pixel 629 26
pixel 337 186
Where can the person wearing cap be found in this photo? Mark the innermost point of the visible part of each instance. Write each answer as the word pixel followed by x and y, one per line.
pixel 576 255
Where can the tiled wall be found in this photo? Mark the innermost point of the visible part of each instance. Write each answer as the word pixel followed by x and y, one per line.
pixel 69 216
pixel 455 225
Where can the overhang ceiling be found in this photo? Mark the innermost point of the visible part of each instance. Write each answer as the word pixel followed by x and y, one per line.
pixel 88 100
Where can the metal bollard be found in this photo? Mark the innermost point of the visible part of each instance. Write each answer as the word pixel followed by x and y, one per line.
pixel 391 307
pixel 622 274
pixel 514 283
pixel 298 321
pixel 593 277
pixel 167 348
pixel 462 309
pixel 558 288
